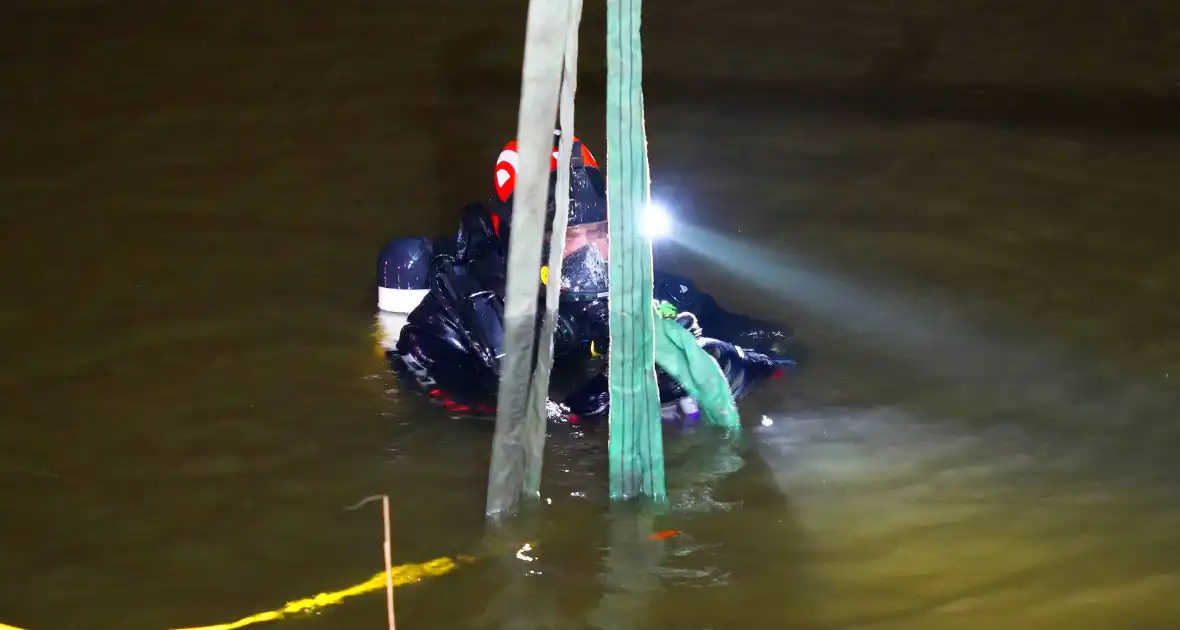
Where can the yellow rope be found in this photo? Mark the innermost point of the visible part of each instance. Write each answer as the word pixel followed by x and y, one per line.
pixel 401 575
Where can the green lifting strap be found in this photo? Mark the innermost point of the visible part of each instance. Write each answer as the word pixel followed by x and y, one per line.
pixel 679 354
pixel 518 446
pixel 636 440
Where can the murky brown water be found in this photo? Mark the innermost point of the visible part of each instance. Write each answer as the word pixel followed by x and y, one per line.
pixel 192 199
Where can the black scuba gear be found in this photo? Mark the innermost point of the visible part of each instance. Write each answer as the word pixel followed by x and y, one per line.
pixel 450 346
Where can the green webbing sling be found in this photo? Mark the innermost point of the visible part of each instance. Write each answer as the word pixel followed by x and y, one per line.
pixel 518 449
pixel 636 440
pixel 637 341
pixel 678 354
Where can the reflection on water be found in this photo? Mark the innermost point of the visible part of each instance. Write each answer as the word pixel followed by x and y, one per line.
pixel 987 437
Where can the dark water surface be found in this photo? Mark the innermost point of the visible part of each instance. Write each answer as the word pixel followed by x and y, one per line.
pixel 191 198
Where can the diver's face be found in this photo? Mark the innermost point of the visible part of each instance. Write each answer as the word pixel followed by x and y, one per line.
pixel 596 234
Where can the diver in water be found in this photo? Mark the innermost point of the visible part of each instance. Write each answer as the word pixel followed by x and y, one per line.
pixel 441 307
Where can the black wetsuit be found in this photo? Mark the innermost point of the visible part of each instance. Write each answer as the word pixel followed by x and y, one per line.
pixel 450 346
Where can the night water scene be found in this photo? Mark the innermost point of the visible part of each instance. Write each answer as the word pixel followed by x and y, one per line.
pixel 912 361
